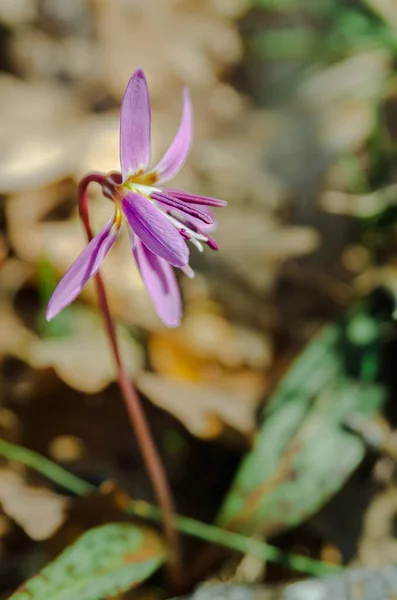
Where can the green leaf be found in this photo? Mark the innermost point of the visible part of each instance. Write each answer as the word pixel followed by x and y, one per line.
pixel 285 5
pixel 276 4
pixel 283 43
pixel 304 452
pixel 103 562
pixel 46 284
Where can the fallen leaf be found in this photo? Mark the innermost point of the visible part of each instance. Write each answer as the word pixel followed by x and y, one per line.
pixel 35 145
pixel 293 469
pixel 377 545
pixel 202 409
pixel 359 205
pixel 344 116
pixel 386 9
pixel 206 338
pixel 192 43
pixel 103 562
pixel 83 358
pixel 37 510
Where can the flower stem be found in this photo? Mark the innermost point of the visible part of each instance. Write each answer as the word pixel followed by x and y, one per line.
pixel 134 408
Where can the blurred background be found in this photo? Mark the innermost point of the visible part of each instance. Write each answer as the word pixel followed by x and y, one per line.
pixel 295 126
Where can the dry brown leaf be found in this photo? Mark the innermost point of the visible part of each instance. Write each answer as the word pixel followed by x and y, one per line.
pixel 37 510
pixel 67 448
pixel 378 545
pixel 202 409
pixel 229 9
pixel 97 144
pixel 204 341
pixel 3 250
pixel 387 9
pixel 14 337
pixel 17 12
pixel 254 235
pixel 343 117
pixel 359 205
pixel 192 45
pixel 36 52
pixel 209 350
pixel 38 159
pixel 10 426
pixel 375 277
pixel 254 245
pixel 24 212
pixel 83 359
pixel 232 9
pixel 35 145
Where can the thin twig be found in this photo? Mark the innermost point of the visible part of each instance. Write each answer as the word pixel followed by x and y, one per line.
pixel 134 407
pixel 191 527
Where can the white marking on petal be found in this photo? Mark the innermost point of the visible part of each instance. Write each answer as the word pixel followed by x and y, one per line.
pixel 187 269
pixel 141 188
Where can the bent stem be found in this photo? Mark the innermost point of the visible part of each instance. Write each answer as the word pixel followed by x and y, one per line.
pixel 134 408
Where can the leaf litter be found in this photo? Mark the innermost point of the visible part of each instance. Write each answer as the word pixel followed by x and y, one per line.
pixel 310 183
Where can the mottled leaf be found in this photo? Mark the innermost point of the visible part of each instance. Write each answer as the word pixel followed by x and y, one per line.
pixel 103 562
pixel 304 452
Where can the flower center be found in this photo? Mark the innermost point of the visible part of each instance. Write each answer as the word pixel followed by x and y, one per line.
pixel 142 184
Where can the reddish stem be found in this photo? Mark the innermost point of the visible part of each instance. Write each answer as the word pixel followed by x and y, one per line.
pixel 134 407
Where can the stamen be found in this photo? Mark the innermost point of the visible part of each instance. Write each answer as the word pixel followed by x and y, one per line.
pixel 193 199
pixel 193 234
pixel 184 234
pixel 212 243
pixel 183 207
pixel 198 244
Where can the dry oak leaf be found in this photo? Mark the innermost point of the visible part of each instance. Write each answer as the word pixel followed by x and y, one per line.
pixel 83 359
pixel 344 116
pixel 202 409
pixel 37 510
pixel 191 46
pixel 35 145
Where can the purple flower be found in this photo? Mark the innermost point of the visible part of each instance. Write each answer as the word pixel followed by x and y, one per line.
pixel 160 220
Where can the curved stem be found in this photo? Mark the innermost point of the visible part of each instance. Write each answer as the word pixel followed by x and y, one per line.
pixel 134 407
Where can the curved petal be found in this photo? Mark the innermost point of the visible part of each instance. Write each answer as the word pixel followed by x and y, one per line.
pixel 160 281
pixel 135 120
pixel 155 230
pixel 200 214
pixel 84 267
pixel 194 199
pixel 176 154
pixel 197 224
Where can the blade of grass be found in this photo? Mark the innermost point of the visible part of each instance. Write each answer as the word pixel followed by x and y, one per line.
pixel 186 525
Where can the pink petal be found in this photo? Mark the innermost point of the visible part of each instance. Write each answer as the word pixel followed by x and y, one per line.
pixel 176 154
pixel 135 120
pixel 84 267
pixel 184 207
pixel 160 281
pixel 197 224
pixel 194 199
pixel 155 230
